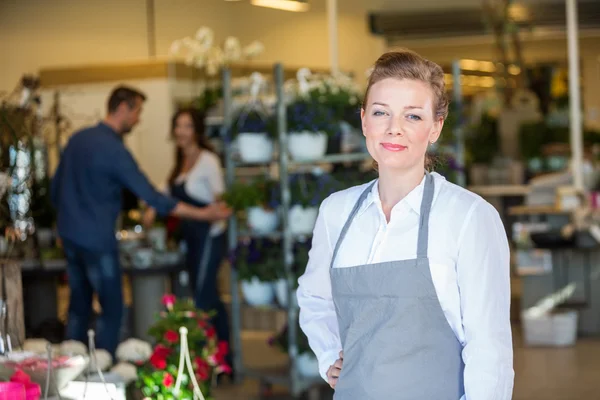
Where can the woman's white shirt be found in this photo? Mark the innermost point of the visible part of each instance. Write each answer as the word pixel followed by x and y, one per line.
pixel 204 182
pixel 470 267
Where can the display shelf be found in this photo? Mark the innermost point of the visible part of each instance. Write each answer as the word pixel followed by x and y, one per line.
pixel 280 168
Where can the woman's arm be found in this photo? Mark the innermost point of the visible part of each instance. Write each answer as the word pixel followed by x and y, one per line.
pixel 483 273
pixel 318 319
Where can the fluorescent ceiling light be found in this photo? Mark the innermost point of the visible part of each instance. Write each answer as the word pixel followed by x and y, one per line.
pixel 288 5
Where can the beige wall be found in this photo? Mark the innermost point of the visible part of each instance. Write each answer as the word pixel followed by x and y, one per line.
pixel 45 33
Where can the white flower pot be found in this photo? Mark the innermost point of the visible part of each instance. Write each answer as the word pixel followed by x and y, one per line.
pixel 307 146
pixel 302 220
pixel 307 365
pixel 281 293
pixel 261 220
pixel 257 293
pixel 255 147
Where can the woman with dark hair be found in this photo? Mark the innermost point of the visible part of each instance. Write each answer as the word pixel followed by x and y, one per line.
pixel 197 178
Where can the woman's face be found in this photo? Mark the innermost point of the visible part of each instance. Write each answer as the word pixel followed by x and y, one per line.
pixel 398 123
pixel 184 133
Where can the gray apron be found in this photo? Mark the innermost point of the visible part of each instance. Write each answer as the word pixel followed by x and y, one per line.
pixel 397 342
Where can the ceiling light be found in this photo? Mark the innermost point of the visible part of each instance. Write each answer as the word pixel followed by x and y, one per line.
pixel 288 5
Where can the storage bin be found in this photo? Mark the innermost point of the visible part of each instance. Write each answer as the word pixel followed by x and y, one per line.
pixel 556 329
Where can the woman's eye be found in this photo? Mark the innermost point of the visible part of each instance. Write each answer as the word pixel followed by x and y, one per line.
pixel 378 113
pixel 414 117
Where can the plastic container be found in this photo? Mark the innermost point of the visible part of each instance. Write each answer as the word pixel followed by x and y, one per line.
pixel 558 329
pixel 12 391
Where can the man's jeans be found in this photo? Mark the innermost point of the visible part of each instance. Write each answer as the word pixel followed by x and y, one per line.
pixel 90 272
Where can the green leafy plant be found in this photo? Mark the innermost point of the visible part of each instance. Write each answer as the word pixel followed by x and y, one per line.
pixel 260 258
pixel 309 190
pixel 261 192
pixel 309 115
pixel 157 377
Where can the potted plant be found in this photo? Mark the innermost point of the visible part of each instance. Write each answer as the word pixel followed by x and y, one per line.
pixel 157 376
pixel 300 250
pixel 306 361
pixel 257 261
pixel 307 192
pixel 310 124
pixel 254 133
pixel 258 199
pixel 340 94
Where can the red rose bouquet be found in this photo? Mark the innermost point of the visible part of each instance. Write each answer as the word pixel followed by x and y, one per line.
pixel 158 375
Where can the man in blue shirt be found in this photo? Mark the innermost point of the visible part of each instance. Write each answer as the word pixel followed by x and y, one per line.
pixel 95 167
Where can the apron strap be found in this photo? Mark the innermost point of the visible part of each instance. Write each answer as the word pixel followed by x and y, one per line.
pixel 423 241
pixel 362 197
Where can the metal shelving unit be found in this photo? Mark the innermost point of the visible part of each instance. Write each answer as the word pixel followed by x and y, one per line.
pixel 271 376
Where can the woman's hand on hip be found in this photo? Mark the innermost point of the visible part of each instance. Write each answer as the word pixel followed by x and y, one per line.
pixel 334 371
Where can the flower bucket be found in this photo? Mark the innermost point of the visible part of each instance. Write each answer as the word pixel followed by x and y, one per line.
pixel 257 293
pixel 302 220
pixel 307 146
pixel 261 220
pixel 255 147
pixel 307 365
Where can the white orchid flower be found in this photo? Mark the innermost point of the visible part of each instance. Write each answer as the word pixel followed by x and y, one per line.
pixel 253 49
pixel 205 36
pixel 175 47
pixel 232 49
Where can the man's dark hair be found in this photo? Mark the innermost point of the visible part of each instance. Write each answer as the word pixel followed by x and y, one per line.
pixel 123 94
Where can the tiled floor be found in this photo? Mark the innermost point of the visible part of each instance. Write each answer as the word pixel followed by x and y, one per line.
pixel 541 373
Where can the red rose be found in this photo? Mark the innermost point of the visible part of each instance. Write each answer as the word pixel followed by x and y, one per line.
pixel 168 300
pixel 202 324
pixel 158 359
pixel 202 369
pixel 224 368
pixel 223 347
pixel 162 351
pixel 158 362
pixel 171 336
pixel 211 333
pixel 168 380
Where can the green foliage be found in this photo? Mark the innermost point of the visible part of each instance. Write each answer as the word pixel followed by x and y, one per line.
pixel 261 192
pixel 482 142
pixel 309 190
pixel 260 258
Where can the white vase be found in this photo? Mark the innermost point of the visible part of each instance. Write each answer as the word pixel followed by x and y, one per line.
pixel 307 146
pixel 281 293
pixel 257 293
pixel 261 220
pixel 302 220
pixel 255 147
pixel 307 365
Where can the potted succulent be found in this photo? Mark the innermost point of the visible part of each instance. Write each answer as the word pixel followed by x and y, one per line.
pixel 258 200
pixel 254 133
pixel 258 261
pixel 307 192
pixel 310 124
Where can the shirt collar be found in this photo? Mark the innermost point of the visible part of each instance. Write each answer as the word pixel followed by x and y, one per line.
pixel 106 127
pixel 413 200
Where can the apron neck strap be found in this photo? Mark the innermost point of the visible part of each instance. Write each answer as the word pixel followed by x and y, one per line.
pixel 423 240
pixel 362 197
pixel 426 203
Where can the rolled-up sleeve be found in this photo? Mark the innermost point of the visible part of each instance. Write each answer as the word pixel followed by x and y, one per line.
pixel 128 173
pixel 318 318
pixel 483 269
